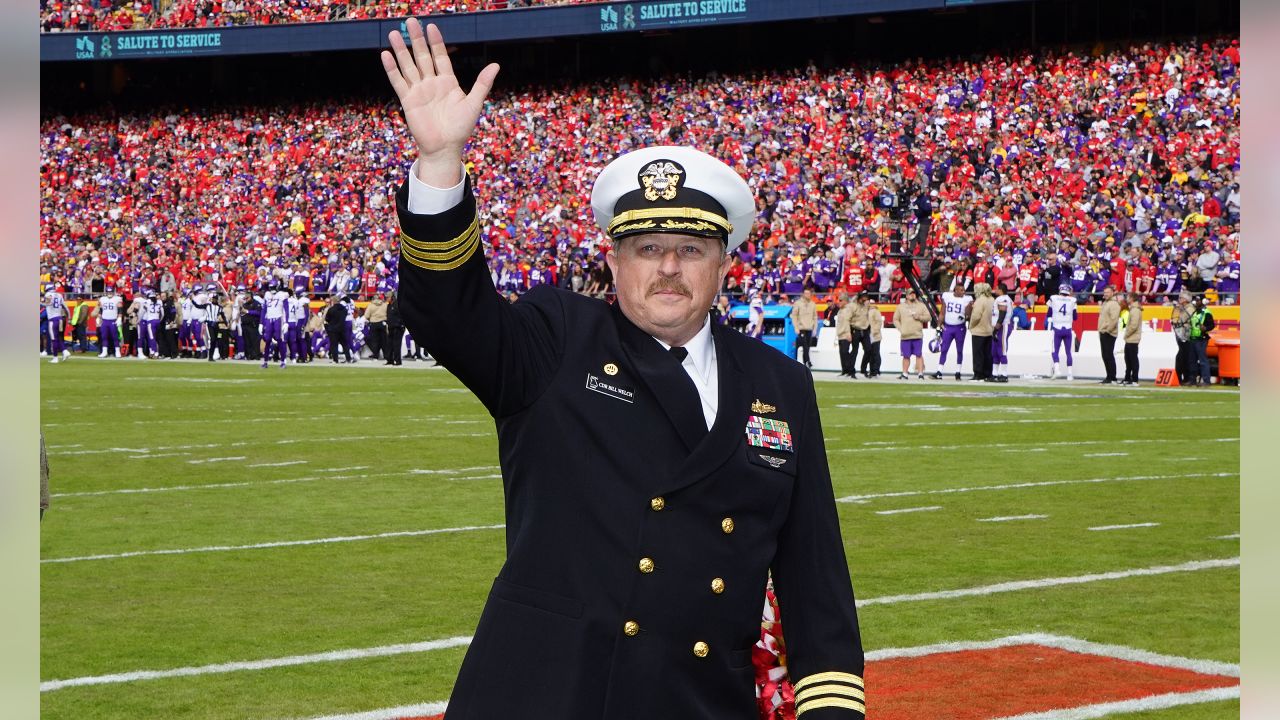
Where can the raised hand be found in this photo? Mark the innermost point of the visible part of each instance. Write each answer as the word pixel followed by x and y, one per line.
pixel 440 116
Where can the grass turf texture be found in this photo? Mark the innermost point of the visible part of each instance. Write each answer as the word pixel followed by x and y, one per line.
pixel 357 434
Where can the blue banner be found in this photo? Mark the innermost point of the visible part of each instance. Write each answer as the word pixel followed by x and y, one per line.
pixel 524 23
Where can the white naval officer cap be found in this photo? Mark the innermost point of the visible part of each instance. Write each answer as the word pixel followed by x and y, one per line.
pixel 673 189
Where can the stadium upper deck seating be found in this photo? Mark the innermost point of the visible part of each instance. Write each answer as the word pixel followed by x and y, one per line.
pixel 1023 152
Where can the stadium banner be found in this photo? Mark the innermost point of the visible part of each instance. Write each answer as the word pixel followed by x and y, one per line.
pixel 504 25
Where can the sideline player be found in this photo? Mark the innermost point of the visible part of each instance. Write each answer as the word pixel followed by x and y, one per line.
pixel 295 318
pixel 56 310
pixel 272 327
pixel 1062 317
pixel 1003 319
pixel 955 319
pixel 108 314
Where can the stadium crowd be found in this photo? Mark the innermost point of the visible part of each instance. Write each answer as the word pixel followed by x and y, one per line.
pixel 113 15
pixel 1114 168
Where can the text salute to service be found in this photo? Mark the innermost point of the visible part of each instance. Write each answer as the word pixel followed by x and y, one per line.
pixel 656 467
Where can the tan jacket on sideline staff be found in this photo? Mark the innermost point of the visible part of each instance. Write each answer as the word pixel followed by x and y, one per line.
pixel 910 318
pixel 876 320
pixel 804 314
pixel 980 323
pixel 1133 330
pixel 1109 317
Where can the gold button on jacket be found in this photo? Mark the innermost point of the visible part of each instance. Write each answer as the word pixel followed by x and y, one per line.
pixel 701 649
pixel 657 503
pixel 631 628
pixel 717 586
pixel 727 525
pixel 646 565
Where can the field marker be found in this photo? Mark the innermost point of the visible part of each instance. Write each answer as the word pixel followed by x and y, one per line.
pixel 343 469
pixel 1019 486
pixel 278 544
pixel 279 464
pixel 452 471
pixel 217 459
pixel 1232 536
pixel 281 481
pixel 1007 518
pixel 909 510
pixel 1065 643
pixel 1052 582
pixel 1068 644
pixel 1155 702
pixel 331 656
pixel 1038 421
pixel 1110 454
pixel 396 713
pixel 149 456
pixel 1014 447
pixel 1125 527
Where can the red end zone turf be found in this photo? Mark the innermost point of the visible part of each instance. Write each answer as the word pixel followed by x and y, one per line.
pixel 1002 682
pixel 1020 678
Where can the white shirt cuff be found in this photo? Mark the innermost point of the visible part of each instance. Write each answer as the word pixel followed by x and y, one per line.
pixel 427 200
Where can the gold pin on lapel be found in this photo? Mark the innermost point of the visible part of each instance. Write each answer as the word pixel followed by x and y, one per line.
pixel 759 407
pixel 610 369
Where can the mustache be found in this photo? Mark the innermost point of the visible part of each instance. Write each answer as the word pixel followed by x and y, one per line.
pixel 668 285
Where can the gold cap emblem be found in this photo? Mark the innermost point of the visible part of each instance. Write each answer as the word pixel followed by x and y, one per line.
pixel 760 407
pixel 610 369
pixel 661 179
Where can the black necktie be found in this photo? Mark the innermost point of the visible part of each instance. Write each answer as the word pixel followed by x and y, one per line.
pixel 680 353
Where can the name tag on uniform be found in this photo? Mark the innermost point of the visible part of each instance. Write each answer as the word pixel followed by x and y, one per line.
pixel 617 392
pixel 769 434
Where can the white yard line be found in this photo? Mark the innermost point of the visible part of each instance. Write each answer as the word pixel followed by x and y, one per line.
pixel 1015 447
pixel 282 481
pixel 1009 518
pixel 216 459
pixel 1207 667
pixel 1154 702
pixel 1232 536
pixel 1051 582
pixel 909 510
pixel 279 464
pixel 395 713
pixel 1030 421
pixel 331 656
pixel 1110 454
pixel 1125 527
pixel 1018 486
pixel 278 544
pixel 343 469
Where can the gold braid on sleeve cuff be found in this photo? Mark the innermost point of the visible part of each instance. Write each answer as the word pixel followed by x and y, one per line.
pixel 445 255
pixel 830 690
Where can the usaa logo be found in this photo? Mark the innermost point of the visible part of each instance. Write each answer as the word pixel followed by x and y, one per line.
pixel 609 19
pixel 85 47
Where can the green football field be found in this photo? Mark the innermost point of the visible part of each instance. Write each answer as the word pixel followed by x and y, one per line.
pixel 219 534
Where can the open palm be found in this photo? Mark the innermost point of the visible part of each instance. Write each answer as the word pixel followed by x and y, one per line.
pixel 439 114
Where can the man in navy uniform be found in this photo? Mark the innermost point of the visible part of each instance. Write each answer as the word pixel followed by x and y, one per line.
pixel 689 459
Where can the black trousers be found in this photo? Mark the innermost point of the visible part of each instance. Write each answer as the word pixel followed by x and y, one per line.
pixel 167 338
pixel 1184 363
pixel 1131 362
pixel 252 340
pixel 861 339
pixel 802 339
pixel 981 357
pixel 871 359
pixel 336 337
pixel 846 360
pixel 215 340
pixel 1108 355
pixel 395 339
pixel 376 336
